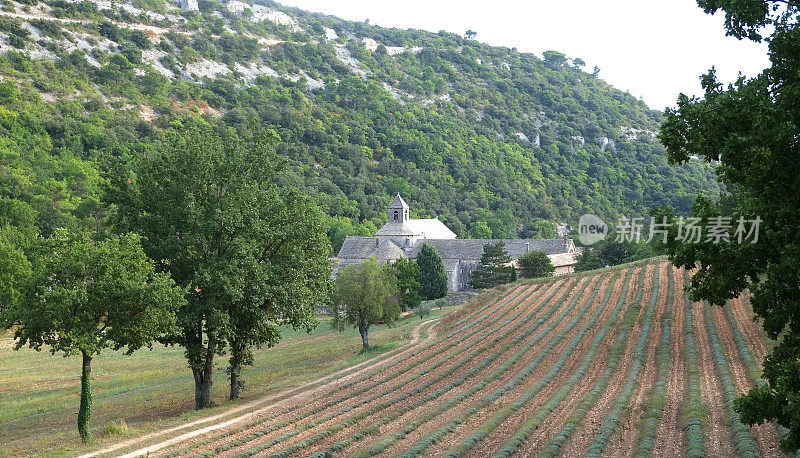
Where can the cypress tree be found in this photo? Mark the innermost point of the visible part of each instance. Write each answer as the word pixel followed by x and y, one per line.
pixel 432 275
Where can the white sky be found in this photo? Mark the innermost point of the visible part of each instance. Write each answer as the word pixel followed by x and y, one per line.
pixel 653 48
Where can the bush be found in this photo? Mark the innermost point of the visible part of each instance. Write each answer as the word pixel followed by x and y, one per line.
pixel 423 309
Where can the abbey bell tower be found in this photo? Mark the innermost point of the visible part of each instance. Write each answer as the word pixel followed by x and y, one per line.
pixel 398 211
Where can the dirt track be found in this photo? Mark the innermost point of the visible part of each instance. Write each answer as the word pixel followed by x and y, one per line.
pixel 568 367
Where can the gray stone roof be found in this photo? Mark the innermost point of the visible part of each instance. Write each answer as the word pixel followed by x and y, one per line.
pixel 369 247
pixel 472 249
pixel 429 228
pixel 398 202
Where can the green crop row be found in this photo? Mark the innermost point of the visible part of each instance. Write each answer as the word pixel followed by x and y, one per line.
pixel 613 359
pixel 695 412
pixel 613 417
pixel 742 439
pixel 429 440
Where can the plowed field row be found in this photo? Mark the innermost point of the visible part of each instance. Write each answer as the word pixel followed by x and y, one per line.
pixel 610 363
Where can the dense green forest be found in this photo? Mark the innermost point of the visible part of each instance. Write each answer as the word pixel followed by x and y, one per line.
pixel 489 139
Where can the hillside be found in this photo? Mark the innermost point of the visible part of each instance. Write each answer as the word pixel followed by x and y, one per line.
pixel 616 362
pixel 486 138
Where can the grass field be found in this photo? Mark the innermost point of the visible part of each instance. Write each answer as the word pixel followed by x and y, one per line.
pixel 39 393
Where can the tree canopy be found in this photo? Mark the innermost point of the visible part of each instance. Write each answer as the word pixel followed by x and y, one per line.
pixel 85 296
pixel 535 264
pixel 366 294
pixel 750 127
pixel 252 256
pixel 432 275
pixel 494 268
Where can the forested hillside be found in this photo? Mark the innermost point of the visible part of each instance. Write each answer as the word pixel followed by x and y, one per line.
pixel 486 138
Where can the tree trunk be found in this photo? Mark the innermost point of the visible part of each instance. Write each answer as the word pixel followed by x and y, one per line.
pixel 202 380
pixel 364 330
pixel 85 410
pixel 237 354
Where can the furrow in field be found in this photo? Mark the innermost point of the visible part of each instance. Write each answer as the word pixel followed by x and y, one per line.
pixel 400 417
pixel 553 358
pixel 672 427
pixel 341 430
pixel 532 426
pixel 743 441
pixel 718 434
pixel 617 414
pixel 612 355
pixel 347 378
pixel 554 430
pixel 634 432
pixel 738 354
pixel 306 426
pixel 293 406
pixel 417 425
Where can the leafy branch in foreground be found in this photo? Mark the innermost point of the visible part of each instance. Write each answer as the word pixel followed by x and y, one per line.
pixel 751 129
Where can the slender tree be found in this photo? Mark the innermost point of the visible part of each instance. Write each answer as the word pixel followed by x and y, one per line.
pixel 750 128
pixel 252 256
pixel 407 272
pixel 494 268
pixel 432 275
pixel 366 294
pixel 84 296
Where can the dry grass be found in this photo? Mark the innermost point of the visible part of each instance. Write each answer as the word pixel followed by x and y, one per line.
pixel 154 389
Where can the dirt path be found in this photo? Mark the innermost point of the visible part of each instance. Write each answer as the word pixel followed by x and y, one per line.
pixel 295 395
pixel 671 426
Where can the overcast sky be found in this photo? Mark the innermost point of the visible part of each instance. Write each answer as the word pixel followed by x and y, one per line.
pixel 654 49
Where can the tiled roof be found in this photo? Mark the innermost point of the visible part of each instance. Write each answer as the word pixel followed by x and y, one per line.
pixel 369 247
pixel 398 202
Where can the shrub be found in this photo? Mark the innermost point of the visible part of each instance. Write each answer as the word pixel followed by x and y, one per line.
pixel 423 309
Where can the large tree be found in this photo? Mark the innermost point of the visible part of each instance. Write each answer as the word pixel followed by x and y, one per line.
pixel 252 255
pixel 494 268
pixel 365 294
pixel 750 128
pixel 84 296
pixel 432 275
